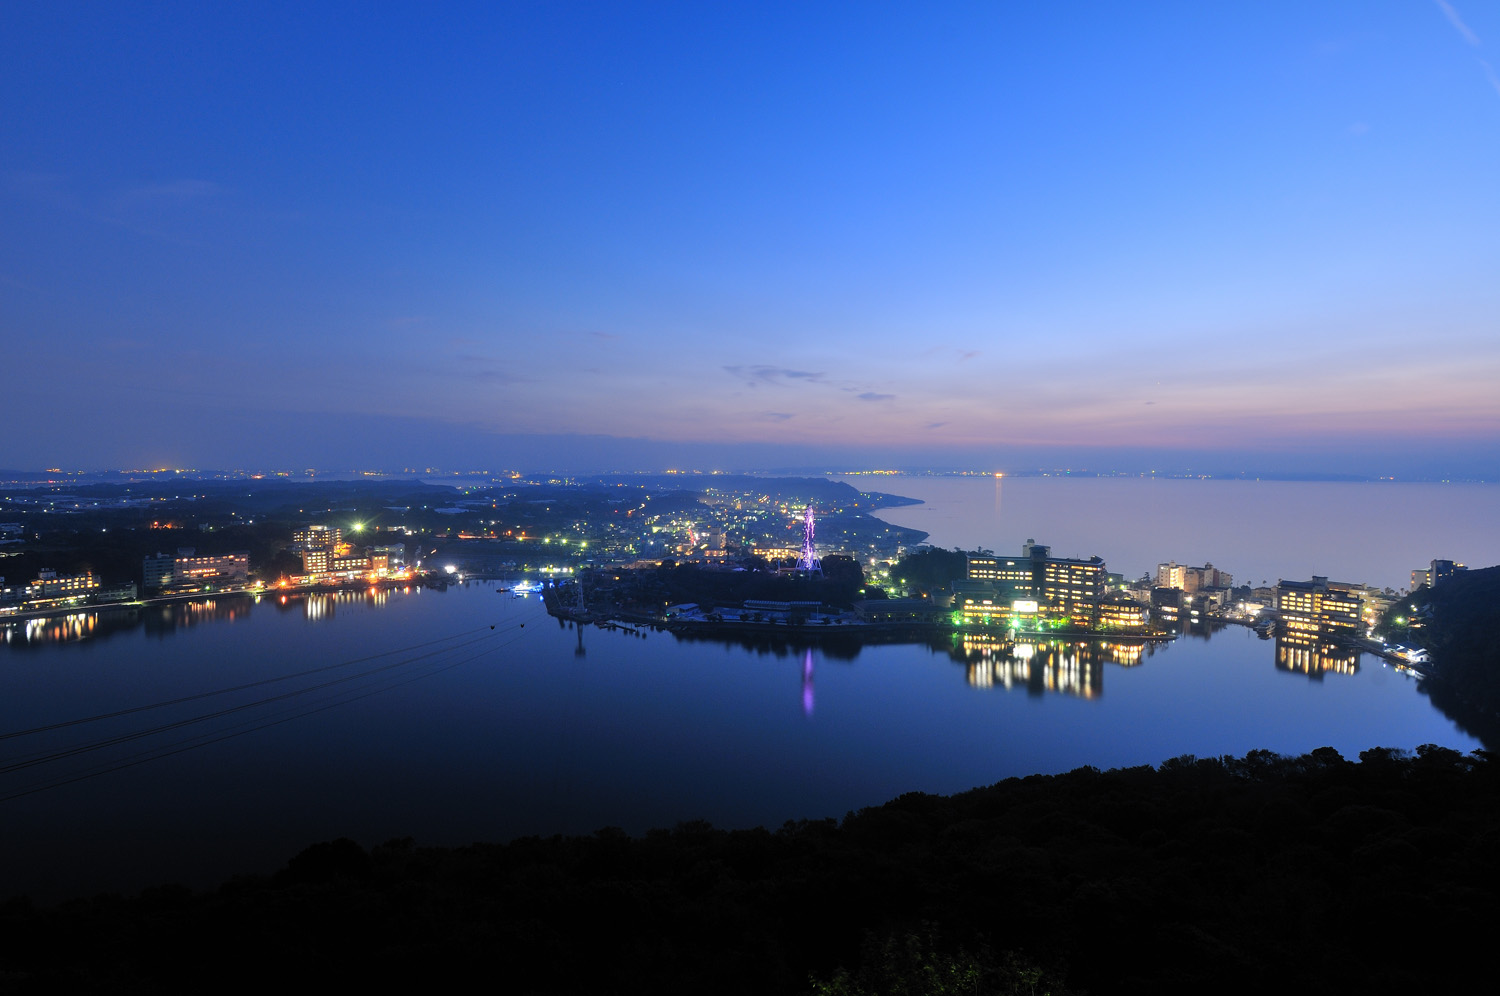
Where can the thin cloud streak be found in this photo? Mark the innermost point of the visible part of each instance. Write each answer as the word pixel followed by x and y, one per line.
pixel 767 374
pixel 1489 72
pixel 1458 22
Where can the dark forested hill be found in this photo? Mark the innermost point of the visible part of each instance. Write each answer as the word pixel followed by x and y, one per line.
pixel 1459 622
pixel 1250 875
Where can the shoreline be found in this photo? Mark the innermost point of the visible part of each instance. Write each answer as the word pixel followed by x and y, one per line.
pixel 198 596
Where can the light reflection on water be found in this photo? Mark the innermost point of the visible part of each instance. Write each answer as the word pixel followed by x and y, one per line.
pixel 534 738
pixel 168 617
pixel 1068 667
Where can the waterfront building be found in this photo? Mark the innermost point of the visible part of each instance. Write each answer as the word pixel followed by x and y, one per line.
pixel 192 571
pixel 347 564
pixel 126 592
pixel 1169 606
pixel 1067 587
pixel 1010 577
pixel 916 610
pixel 156 571
pixel 786 611
pixel 1309 609
pixel 50 590
pixel 981 608
pixel 51 585
pixel 318 545
pixel 1118 611
pixel 186 571
pixel 315 561
pixel 1061 588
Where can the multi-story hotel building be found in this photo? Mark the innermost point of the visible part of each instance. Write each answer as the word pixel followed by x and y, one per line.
pixel 1191 579
pixel 156 571
pixel 1315 615
pixel 51 589
pixel 1315 608
pixel 319 546
pixel 317 538
pixel 1066 587
pixel 1435 572
pixel 1010 577
pixel 1035 583
pixel 326 556
pixel 49 584
pixel 188 570
pixel 232 568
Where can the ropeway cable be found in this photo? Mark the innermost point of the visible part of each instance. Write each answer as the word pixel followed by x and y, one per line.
pixel 225 691
pixel 259 722
pixel 45 757
pixel 204 740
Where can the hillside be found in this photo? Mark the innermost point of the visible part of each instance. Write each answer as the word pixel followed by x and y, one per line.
pixel 1459 622
pixel 1252 875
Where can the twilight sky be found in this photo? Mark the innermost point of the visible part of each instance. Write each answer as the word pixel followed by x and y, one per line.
pixel 548 235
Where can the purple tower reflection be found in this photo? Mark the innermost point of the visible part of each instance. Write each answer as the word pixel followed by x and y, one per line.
pixel 807 686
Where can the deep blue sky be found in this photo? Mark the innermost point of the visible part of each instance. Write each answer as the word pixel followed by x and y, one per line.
pixel 374 236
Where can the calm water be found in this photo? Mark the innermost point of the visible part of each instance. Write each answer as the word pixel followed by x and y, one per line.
pixel 1374 533
pixel 470 733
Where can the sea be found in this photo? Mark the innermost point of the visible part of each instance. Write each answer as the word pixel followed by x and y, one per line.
pixel 191 742
pixel 1368 532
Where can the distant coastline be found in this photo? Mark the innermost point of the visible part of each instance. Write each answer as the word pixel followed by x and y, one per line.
pixel 15 477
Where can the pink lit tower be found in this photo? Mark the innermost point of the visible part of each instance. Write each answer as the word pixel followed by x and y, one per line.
pixel 809 559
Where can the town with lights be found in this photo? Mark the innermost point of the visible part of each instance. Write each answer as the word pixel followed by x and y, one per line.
pixel 700 554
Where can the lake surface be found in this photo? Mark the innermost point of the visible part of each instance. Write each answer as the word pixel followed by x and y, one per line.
pixel 1370 532
pixel 478 734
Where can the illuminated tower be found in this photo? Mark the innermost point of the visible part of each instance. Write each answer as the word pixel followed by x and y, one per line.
pixel 809 559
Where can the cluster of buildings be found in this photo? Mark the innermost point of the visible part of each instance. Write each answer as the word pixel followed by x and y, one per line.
pixel 180 573
pixel 328 558
pixel 1037 589
pixel 1319 622
pixel 50 590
